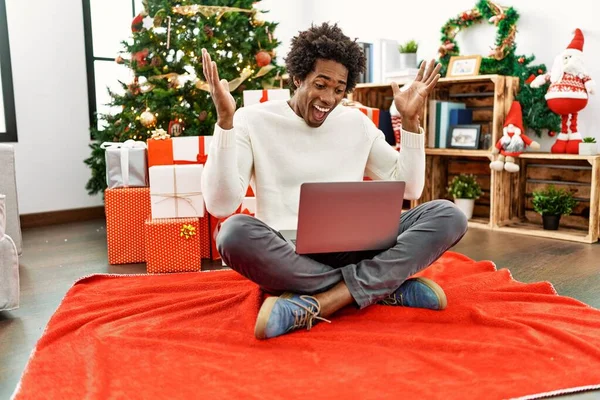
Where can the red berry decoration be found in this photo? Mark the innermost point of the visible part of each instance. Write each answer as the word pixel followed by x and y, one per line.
pixel 263 58
pixel 521 60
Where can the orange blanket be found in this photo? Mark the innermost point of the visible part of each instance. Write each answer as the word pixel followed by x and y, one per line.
pixel 190 335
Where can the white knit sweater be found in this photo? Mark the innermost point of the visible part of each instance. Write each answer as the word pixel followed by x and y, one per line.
pixel 272 147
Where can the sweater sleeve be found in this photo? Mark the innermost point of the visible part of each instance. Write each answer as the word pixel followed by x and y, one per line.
pixel 228 168
pixel 408 165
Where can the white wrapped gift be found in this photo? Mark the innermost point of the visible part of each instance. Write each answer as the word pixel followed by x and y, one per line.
pixel 261 96
pixel 126 164
pixel 175 191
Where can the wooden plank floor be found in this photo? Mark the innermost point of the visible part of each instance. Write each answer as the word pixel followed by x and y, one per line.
pixel 54 257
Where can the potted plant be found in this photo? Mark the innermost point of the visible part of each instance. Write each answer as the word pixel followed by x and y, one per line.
pixel 408 54
pixel 465 189
pixel 588 147
pixel 551 204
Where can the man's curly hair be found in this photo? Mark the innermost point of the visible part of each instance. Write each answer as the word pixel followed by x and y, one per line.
pixel 326 42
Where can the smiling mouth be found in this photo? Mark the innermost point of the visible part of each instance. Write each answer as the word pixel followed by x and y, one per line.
pixel 319 113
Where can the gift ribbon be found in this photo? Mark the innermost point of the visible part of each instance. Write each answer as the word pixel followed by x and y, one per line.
pixel 160 134
pixel 124 154
pixel 178 196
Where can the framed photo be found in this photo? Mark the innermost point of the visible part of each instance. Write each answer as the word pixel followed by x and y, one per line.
pixel 464 137
pixel 463 66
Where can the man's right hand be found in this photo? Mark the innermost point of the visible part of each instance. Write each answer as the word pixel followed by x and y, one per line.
pixel 219 91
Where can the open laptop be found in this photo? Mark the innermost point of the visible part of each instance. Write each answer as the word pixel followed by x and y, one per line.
pixel 347 216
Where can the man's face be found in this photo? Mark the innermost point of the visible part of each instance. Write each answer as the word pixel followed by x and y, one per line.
pixel 320 92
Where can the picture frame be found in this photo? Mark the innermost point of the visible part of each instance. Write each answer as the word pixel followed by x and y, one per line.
pixel 463 66
pixel 464 137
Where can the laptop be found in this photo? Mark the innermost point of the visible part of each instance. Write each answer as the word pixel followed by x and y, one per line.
pixel 347 216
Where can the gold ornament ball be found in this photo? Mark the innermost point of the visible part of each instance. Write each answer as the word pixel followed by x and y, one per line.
pixel 147 119
pixel 258 19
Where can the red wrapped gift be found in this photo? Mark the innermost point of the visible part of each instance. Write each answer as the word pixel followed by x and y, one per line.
pixel 248 207
pixel 180 150
pixel 126 211
pixel 172 245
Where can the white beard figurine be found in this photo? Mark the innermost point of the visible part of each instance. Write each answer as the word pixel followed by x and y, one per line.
pixel 567 93
pixel 513 141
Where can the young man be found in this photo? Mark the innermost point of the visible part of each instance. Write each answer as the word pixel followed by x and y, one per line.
pixel 310 138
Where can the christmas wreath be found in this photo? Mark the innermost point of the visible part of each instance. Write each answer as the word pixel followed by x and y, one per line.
pixel 502 60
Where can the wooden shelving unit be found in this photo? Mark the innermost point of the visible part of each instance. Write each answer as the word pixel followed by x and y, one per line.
pixel 505 205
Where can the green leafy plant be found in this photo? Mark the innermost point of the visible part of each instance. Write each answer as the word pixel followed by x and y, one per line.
pixel 409 47
pixel 552 201
pixel 589 139
pixel 464 186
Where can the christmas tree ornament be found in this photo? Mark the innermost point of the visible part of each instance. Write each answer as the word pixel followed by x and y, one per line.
pixel 134 87
pixel 568 93
pixel 202 116
pixel 120 60
pixel 148 23
pixel 263 58
pixel 138 22
pixel 156 61
pixel 208 31
pixel 140 58
pixel 176 127
pixel 147 118
pixel 257 19
pixel 513 141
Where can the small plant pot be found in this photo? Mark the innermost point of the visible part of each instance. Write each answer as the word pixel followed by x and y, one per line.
pixel 466 206
pixel 408 60
pixel 550 222
pixel 588 149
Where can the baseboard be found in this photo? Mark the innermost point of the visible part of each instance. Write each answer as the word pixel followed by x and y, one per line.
pixel 61 217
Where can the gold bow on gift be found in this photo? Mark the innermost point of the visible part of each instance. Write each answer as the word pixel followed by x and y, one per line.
pixel 187 231
pixel 160 134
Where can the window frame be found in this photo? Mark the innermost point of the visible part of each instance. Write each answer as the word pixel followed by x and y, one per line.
pixel 8 93
pixel 90 59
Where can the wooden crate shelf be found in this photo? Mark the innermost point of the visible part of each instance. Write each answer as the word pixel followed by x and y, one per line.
pixel 505 205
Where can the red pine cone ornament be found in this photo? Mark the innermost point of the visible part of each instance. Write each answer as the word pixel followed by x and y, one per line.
pixel 263 58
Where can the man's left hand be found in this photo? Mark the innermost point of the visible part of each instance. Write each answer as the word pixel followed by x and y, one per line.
pixel 410 101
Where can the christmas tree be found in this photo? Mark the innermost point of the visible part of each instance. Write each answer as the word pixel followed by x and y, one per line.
pixel 168 90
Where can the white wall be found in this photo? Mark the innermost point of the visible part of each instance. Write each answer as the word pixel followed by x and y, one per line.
pixel 50 82
pixel 49 74
pixel 539 33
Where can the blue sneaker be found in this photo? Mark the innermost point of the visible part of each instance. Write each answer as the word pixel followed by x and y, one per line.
pixel 279 315
pixel 418 292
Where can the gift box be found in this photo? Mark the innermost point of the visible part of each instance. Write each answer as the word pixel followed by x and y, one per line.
pixel 172 245
pixel 126 212
pixel 126 164
pixel 248 206
pixel 205 241
pixel 261 96
pixel 175 191
pixel 178 150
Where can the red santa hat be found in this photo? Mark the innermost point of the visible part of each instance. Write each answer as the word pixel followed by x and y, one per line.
pixel 576 45
pixel 515 116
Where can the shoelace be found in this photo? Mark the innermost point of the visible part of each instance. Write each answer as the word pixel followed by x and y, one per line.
pixel 306 318
pixel 392 300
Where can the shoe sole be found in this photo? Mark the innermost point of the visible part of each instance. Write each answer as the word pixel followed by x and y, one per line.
pixel 264 313
pixel 437 289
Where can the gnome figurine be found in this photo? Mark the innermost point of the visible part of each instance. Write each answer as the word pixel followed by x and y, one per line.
pixel 567 93
pixel 513 141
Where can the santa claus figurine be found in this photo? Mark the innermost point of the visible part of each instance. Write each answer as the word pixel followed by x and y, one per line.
pixel 567 93
pixel 513 141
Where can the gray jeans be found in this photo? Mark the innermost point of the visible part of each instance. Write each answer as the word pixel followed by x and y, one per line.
pixel 260 253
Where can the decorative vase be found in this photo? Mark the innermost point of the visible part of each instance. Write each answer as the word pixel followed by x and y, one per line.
pixel 466 206
pixel 588 149
pixel 550 222
pixel 408 60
